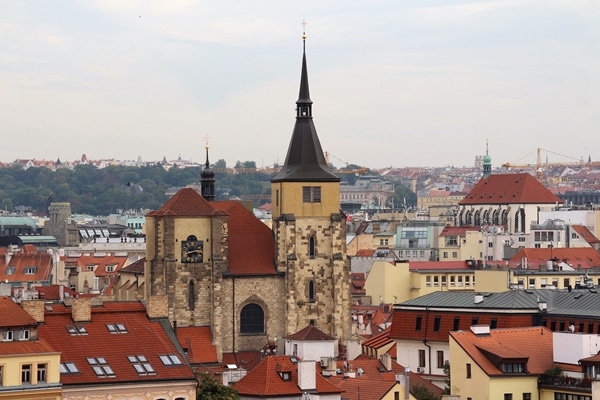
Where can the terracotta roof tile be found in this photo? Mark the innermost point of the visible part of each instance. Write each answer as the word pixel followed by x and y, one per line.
pixel 458 230
pixel 13 315
pixel 144 337
pixel 585 234
pixel 251 242
pixel 185 203
pixel 510 189
pixel 310 333
pixel 584 257
pixel 197 342
pixel 22 263
pixel 264 380
pixel 533 343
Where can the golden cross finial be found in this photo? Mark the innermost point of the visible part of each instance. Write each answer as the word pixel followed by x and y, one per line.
pixel 206 137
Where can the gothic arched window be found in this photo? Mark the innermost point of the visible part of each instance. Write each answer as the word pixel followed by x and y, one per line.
pixel 252 319
pixel 312 248
pixel 311 291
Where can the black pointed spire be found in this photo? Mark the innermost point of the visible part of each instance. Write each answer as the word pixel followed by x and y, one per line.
pixel 207 180
pixel 305 160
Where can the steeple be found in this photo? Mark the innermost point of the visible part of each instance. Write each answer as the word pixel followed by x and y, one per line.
pixel 487 162
pixel 305 160
pixel 207 180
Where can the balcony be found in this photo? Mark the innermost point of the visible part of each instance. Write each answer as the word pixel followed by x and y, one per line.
pixel 583 385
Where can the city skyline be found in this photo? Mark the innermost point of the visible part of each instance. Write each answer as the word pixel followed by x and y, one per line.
pixel 393 83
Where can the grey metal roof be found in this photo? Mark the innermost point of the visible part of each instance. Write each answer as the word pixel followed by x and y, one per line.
pixel 577 303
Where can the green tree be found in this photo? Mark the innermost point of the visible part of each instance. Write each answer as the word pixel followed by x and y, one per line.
pixel 422 393
pixel 447 380
pixel 211 389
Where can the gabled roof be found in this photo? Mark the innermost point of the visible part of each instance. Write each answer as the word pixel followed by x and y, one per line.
pixel 52 292
pixel 99 262
pixel 198 344
pixel 264 380
pixel 375 380
pixel 251 242
pixel 186 203
pixel 13 315
pixel 510 189
pixel 585 234
pixel 584 257
pixel 310 333
pixel 136 267
pixel 533 344
pixel 143 337
pixel 28 267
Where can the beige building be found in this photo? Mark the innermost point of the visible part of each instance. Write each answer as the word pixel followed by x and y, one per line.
pixel 460 243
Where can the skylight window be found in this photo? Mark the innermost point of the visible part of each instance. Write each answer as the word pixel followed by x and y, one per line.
pixel 141 365
pixel 170 359
pixel 116 328
pixel 101 367
pixel 68 368
pixel 76 330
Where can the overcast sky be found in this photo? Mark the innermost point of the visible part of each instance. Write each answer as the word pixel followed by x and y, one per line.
pixel 393 83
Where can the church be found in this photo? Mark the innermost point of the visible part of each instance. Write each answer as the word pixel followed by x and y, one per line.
pixel 221 269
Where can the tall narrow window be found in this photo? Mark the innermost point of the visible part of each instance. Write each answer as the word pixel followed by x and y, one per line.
pixel 440 359
pixel 312 247
pixel 437 321
pixel 311 291
pixel 191 296
pixel 26 373
pixel 494 323
pixel 456 324
pixel 1 375
pixel 468 371
pixel 41 373
pixel 421 358
pixel 418 323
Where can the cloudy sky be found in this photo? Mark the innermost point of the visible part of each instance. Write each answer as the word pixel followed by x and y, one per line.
pixel 394 83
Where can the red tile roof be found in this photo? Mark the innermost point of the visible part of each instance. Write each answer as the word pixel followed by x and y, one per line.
pixel 510 189
pixel 251 242
pixel 144 337
pixel 29 347
pixel 310 333
pixel 264 380
pixel 186 203
pixel 585 234
pixel 22 260
pixel 13 315
pixel 52 292
pixel 534 344
pixel 198 344
pixel 373 378
pixel 584 257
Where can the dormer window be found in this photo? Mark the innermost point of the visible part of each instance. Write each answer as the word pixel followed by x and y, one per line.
pixel 24 334
pixel 7 336
pixel 286 376
pixel 513 367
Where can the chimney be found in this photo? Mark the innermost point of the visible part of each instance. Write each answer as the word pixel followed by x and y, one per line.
pixel 307 375
pixel 478 298
pixel 158 306
pixel 81 310
pixel 35 308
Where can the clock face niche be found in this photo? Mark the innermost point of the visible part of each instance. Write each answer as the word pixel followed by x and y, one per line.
pixel 192 250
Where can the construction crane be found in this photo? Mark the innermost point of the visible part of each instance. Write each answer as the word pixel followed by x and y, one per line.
pixel 345 170
pixel 538 165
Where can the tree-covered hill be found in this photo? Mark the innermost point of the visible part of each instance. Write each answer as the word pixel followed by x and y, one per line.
pixel 102 191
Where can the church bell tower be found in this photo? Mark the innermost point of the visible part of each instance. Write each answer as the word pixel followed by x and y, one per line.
pixel 310 229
